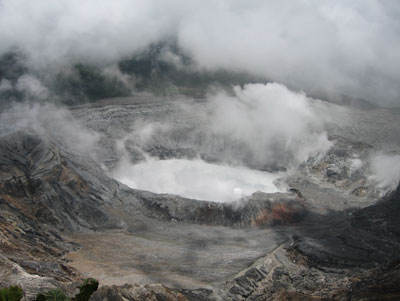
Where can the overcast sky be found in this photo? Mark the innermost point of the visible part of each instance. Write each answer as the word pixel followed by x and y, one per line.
pixel 324 47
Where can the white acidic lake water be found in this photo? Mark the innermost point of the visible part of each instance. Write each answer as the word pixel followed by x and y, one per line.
pixel 196 179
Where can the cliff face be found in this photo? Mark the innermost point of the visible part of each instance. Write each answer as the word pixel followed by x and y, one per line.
pixel 42 195
pixel 46 184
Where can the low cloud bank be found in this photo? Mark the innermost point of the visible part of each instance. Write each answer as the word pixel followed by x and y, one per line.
pixel 325 48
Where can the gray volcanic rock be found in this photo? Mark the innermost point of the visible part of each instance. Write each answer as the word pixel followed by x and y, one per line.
pixel 353 257
pixel 317 241
pixel 51 187
pixel 43 194
pixel 12 273
pixel 260 209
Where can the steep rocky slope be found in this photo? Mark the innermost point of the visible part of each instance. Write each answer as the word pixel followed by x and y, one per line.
pixel 43 194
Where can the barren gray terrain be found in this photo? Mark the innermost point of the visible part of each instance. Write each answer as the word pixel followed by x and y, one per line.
pixel 330 235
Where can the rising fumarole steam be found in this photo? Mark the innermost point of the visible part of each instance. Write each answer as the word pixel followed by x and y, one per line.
pixel 260 126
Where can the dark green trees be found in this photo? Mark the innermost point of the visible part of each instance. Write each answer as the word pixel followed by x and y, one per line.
pixel 12 293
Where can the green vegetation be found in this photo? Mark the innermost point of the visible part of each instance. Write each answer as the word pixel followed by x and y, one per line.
pixel 12 293
pixel 15 293
pixel 53 295
pixel 88 287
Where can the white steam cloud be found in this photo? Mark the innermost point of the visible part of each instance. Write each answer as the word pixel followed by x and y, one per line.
pixel 259 126
pixel 386 171
pixel 275 124
pixel 32 87
pixel 324 47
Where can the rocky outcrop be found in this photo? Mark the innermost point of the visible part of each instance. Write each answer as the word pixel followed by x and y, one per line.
pixel 353 257
pixel 43 194
pixel 258 210
pixel 49 186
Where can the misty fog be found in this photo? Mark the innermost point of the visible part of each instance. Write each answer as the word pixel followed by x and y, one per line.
pixel 328 49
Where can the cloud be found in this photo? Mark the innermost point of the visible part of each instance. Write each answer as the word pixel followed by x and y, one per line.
pixel 54 32
pixel 5 85
pixel 319 46
pixel 323 47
